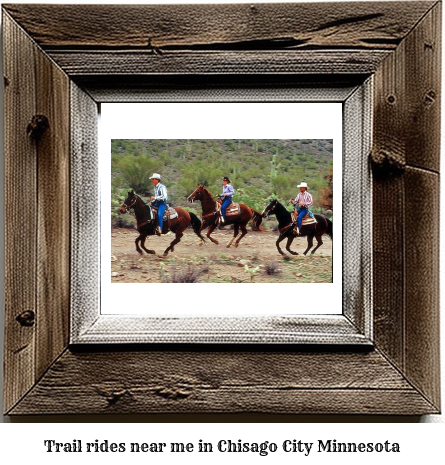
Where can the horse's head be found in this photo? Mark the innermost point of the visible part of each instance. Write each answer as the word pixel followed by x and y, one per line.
pixel 129 202
pixel 269 208
pixel 197 194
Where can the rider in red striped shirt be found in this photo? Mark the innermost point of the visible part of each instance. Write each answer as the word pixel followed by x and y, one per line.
pixel 302 202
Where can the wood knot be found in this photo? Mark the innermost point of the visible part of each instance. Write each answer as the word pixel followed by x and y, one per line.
pixel 429 46
pixel 26 318
pixel 5 81
pixel 391 99
pixel 113 396
pixel 387 162
pixel 37 126
pixel 172 393
pixel 430 97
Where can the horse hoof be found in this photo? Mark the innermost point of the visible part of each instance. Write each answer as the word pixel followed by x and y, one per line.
pixel 236 244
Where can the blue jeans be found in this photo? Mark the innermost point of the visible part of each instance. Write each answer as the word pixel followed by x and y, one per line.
pixel 227 201
pixel 161 209
pixel 302 211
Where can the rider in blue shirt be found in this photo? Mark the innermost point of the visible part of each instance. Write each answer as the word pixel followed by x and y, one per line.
pixel 226 196
pixel 159 200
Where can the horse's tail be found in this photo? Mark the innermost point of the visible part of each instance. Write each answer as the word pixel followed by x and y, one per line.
pixel 329 230
pixel 257 218
pixel 196 225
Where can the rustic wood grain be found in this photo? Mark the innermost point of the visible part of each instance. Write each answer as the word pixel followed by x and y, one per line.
pixel 389 143
pixel 153 27
pixel 406 278
pixel 53 229
pixel 218 381
pixel 78 63
pixel 20 212
pixel 423 91
pixel 422 282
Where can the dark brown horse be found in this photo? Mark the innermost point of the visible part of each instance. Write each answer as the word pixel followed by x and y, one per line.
pixel 210 219
pixel 285 226
pixel 147 226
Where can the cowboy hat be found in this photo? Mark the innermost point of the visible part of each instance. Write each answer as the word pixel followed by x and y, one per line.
pixel 156 176
pixel 225 178
pixel 303 184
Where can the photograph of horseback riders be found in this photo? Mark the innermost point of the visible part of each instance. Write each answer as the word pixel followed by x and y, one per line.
pixel 221 210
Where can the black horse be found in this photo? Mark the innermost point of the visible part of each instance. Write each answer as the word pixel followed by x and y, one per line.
pixel 323 226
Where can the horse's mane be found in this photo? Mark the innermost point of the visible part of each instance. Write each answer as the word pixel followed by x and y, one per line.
pixel 282 207
pixel 208 193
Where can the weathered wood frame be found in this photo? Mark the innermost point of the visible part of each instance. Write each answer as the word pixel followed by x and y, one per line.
pixel 69 60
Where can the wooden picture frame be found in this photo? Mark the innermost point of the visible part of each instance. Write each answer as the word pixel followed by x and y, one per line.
pixel 56 72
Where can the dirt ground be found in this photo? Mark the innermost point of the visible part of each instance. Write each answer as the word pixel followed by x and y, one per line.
pixel 211 263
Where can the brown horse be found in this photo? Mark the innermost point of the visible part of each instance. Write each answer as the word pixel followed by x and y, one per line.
pixel 147 226
pixel 210 217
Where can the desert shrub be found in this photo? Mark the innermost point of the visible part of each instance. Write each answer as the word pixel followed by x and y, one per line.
pixel 272 268
pixel 190 274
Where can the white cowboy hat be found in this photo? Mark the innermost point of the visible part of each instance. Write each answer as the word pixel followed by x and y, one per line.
pixel 156 176
pixel 303 184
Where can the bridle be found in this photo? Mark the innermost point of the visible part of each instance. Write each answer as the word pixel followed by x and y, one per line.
pixel 193 193
pixel 129 207
pixel 268 209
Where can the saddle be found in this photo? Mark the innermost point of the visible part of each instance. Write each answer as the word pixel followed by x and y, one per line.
pixel 307 219
pixel 233 209
pixel 169 214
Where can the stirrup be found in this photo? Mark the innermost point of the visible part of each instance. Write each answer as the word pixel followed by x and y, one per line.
pixel 158 231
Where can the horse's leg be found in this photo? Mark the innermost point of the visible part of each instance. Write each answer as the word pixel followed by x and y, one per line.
pixel 319 242
pixel 209 231
pixel 137 243
pixel 235 233
pixel 143 245
pixel 243 233
pixel 173 243
pixel 310 243
pixel 290 239
pixel 278 243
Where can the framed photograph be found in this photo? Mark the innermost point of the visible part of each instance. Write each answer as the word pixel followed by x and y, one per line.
pixel 131 105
